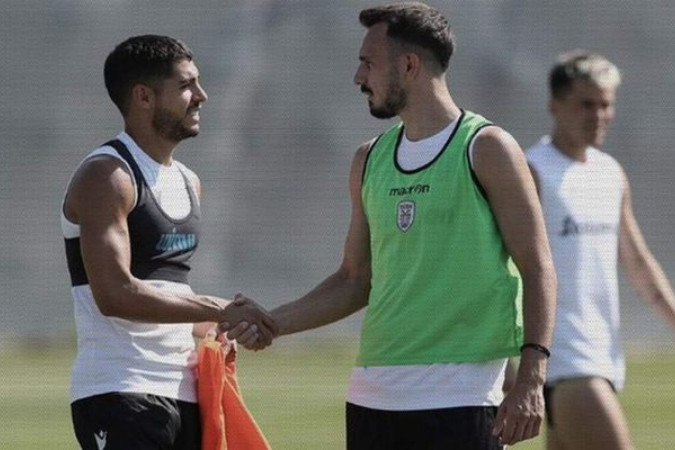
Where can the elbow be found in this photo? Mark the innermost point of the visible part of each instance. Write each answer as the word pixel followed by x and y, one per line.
pixel 107 304
pixel 113 302
pixel 357 281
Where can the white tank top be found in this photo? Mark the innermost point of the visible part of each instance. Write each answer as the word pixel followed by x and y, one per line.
pixel 582 208
pixel 117 355
pixel 404 388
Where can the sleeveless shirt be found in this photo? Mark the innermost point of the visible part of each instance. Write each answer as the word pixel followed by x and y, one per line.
pixel 117 355
pixel 582 209
pixel 442 288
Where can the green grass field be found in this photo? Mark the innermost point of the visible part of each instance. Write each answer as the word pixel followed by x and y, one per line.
pixel 296 392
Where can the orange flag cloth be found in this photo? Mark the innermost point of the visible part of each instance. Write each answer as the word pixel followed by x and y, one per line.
pixel 226 422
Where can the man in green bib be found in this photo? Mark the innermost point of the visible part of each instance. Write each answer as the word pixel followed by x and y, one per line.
pixel 445 222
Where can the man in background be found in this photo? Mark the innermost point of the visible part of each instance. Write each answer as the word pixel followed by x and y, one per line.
pixel 586 200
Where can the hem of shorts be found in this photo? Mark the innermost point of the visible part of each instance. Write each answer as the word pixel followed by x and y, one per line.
pixel 552 381
pixel 462 403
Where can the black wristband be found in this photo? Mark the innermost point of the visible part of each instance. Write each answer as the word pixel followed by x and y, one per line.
pixel 537 347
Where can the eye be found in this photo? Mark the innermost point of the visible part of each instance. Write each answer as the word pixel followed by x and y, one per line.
pixel 587 104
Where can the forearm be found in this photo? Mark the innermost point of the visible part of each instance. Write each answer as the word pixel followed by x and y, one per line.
pixel 202 329
pixel 539 303
pixel 651 283
pixel 337 297
pixel 139 301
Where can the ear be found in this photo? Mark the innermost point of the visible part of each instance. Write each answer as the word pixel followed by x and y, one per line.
pixel 143 96
pixel 413 65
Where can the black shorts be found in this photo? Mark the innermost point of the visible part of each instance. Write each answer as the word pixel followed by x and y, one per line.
pixel 465 428
pixel 123 421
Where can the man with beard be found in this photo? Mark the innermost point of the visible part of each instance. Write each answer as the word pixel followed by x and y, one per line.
pixel 130 221
pixel 589 217
pixel 441 202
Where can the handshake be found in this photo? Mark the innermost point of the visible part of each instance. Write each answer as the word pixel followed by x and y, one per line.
pixel 248 323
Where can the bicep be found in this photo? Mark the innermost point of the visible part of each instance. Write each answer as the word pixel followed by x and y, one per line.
pixel 101 196
pixel 535 179
pixel 356 258
pixel 502 169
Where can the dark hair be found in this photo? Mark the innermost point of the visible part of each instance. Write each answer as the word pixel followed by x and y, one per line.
pixel 417 24
pixel 584 66
pixel 141 59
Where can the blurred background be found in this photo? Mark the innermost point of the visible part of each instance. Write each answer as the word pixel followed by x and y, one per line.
pixel 282 124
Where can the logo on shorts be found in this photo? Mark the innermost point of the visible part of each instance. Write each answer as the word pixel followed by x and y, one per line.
pixel 101 439
pixel 406 215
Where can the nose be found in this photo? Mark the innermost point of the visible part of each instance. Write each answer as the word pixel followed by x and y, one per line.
pixel 200 93
pixel 359 76
pixel 603 115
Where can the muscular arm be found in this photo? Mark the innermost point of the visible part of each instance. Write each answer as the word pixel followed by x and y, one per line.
pixel 345 291
pixel 643 270
pixel 99 199
pixel 502 170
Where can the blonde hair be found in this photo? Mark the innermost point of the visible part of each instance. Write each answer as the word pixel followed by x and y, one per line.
pixel 584 66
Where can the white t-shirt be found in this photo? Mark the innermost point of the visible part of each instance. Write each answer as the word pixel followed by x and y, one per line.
pixel 582 208
pixel 407 388
pixel 117 355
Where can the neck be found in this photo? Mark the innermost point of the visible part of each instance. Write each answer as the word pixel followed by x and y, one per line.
pixel 569 147
pixel 158 148
pixel 428 111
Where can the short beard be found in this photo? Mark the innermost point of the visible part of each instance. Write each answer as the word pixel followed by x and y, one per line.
pixel 394 102
pixel 171 128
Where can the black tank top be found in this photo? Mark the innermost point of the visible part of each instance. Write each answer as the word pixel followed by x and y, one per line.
pixel 161 247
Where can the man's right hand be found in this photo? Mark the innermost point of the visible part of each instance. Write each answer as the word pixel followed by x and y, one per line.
pixel 248 323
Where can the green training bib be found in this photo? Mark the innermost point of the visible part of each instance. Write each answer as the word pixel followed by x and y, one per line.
pixel 443 288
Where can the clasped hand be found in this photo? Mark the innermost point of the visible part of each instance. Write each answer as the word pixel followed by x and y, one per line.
pixel 248 323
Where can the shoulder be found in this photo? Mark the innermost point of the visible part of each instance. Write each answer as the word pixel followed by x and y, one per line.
pixel 104 166
pixel 364 150
pixel 101 179
pixel 605 159
pixel 189 173
pixel 386 139
pixel 540 150
pixel 495 142
pixel 541 157
pixel 470 118
pixel 361 157
pixel 192 178
pixel 498 158
pixel 102 158
pixel 607 164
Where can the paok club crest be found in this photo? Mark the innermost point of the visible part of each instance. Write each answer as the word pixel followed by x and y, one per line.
pixel 406 215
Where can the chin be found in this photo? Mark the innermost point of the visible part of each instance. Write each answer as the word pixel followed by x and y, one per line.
pixel 192 130
pixel 380 113
pixel 598 141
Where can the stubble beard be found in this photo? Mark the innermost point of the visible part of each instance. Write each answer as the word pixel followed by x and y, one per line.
pixel 395 100
pixel 171 127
